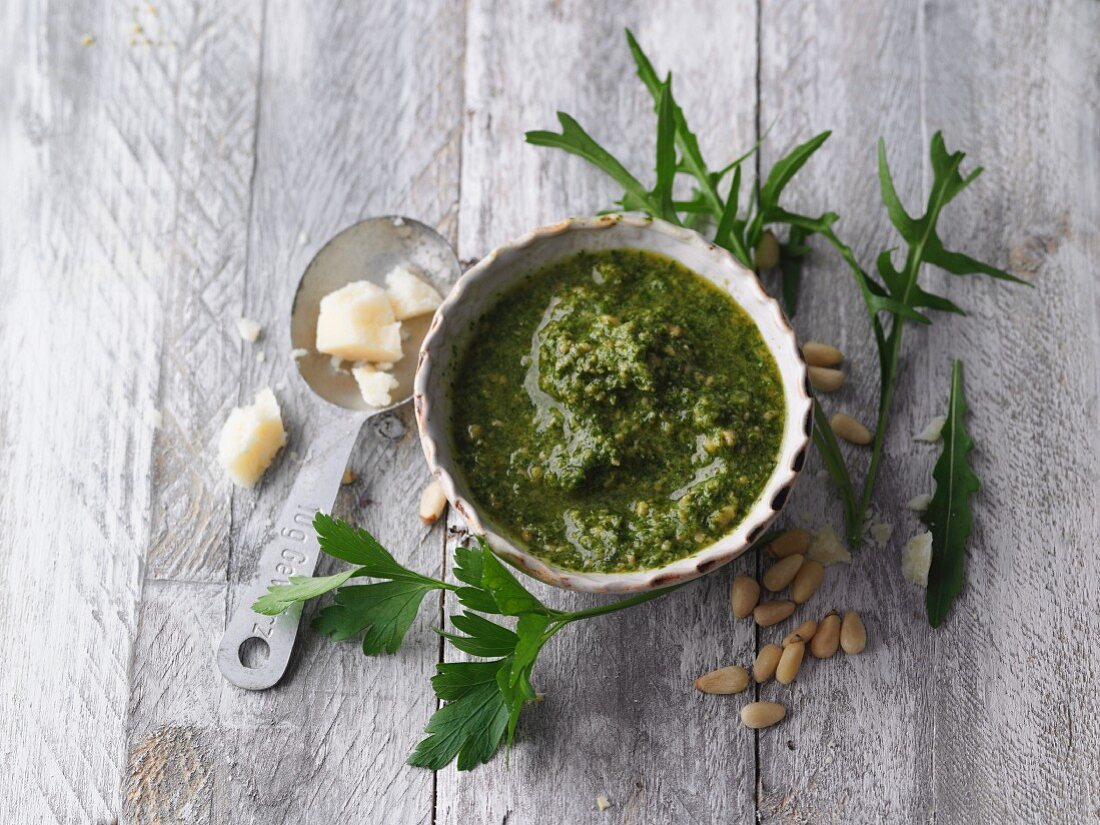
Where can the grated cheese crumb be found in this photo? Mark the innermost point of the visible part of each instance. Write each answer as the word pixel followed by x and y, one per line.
pixel 916 558
pixel 880 533
pixel 602 803
pixel 298 352
pixel 88 40
pixel 260 357
pixel 931 433
pixel 919 503
pixel 827 547
pixel 398 221
pixel 153 418
pixel 303 239
pixel 248 329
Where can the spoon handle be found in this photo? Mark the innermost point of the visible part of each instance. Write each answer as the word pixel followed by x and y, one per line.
pixel 292 551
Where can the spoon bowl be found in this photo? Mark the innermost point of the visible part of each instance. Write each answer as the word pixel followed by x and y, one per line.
pixel 255 649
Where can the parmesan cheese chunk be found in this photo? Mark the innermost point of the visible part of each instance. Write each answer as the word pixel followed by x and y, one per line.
pixel 357 323
pixel 880 533
pixel 410 295
pixel 248 329
pixel 375 386
pixel 827 547
pixel 931 433
pixel 250 439
pixel 919 503
pixel 916 558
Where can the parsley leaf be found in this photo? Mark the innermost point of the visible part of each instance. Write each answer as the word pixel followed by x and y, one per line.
pixel 948 514
pixel 301 589
pixel 382 612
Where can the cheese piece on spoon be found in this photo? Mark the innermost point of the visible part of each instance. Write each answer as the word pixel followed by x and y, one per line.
pixel 409 295
pixel 375 385
pixel 357 323
pixel 250 439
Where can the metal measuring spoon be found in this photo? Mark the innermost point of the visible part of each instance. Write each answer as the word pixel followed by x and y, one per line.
pixel 365 251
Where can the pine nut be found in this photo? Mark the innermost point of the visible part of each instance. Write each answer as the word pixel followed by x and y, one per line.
pixel 768 613
pixel 432 503
pixel 849 429
pixel 853 635
pixel 790 662
pixel 767 252
pixel 827 639
pixel 782 573
pixel 825 379
pixel 744 594
pixel 732 679
pixel 766 660
pixel 821 355
pixel 807 580
pixel 803 633
pixel 759 715
pixel 791 542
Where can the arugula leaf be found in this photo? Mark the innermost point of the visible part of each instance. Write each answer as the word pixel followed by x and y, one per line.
pixel 691 157
pixel 666 154
pixel 280 597
pixel 576 141
pixel 948 514
pixel 382 612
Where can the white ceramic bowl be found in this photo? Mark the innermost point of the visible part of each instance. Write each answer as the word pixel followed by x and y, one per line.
pixel 480 287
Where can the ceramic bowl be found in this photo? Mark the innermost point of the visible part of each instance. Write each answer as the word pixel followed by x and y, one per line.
pixel 477 290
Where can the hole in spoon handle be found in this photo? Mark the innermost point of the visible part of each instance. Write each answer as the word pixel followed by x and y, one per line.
pixel 255 649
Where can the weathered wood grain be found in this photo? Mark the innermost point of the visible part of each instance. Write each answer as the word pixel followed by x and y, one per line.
pixel 88 190
pixel 359 114
pixel 154 191
pixel 856 746
pixel 1018 716
pixel 620 717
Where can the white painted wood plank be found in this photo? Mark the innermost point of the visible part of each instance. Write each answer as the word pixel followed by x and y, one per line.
pixel 856 745
pixel 359 115
pixel 1018 715
pixel 620 716
pixel 88 191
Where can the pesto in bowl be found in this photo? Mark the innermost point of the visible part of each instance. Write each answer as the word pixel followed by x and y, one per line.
pixel 614 411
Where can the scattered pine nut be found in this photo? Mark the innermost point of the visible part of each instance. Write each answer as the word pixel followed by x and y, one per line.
pixel 825 379
pixel 790 662
pixel 780 574
pixel 759 715
pixel 768 613
pixel 766 661
pixel 744 594
pixel 853 635
pixel 791 542
pixel 766 255
pixel 827 639
pixel 821 355
pixel 432 503
pixel 849 429
pixel 803 633
pixel 725 680
pixel 807 580
pixel 349 476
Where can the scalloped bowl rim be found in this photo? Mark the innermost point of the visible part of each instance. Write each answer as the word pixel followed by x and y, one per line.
pixel 430 396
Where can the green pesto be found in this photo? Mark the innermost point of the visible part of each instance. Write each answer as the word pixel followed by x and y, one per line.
pixel 615 411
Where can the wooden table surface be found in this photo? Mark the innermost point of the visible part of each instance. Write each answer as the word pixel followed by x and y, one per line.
pixel 164 180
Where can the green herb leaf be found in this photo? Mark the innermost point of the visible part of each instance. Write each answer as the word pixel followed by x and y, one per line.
pixel 483 637
pixel 576 141
pixel 948 514
pixel 511 597
pixel 352 544
pixel 692 159
pixel 382 612
pixel 666 154
pixel 281 597
pixel 470 726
